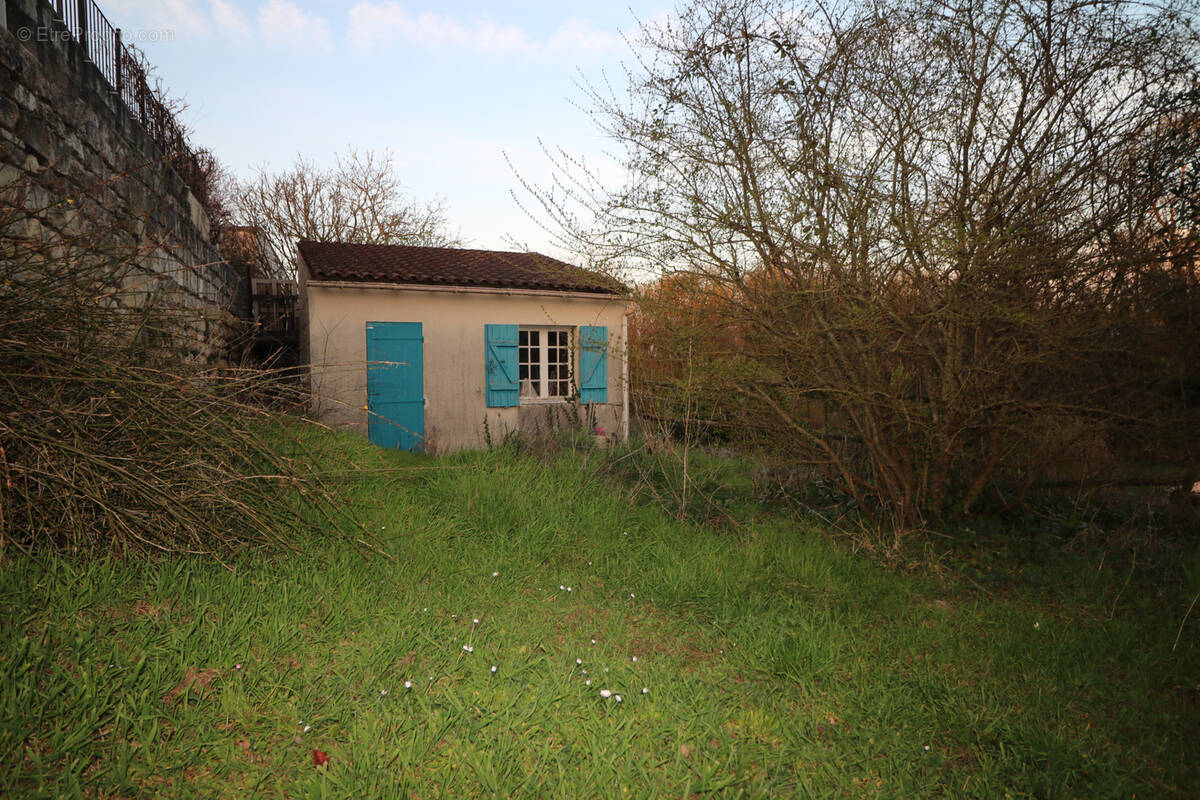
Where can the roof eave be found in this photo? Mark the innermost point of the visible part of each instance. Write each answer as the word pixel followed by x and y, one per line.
pixel 465 289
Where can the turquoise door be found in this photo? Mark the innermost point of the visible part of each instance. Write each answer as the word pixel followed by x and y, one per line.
pixel 395 385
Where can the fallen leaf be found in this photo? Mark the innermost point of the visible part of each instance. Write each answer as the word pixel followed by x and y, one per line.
pixel 320 758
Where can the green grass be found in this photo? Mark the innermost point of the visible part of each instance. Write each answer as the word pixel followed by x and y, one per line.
pixel 777 663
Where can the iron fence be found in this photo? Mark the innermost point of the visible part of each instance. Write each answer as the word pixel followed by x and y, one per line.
pixel 275 308
pixel 125 71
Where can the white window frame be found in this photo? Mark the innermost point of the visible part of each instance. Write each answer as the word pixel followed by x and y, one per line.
pixel 543 362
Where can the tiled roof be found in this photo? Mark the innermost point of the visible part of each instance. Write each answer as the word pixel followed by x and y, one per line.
pixel 448 266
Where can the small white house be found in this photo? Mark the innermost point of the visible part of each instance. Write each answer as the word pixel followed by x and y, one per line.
pixel 434 349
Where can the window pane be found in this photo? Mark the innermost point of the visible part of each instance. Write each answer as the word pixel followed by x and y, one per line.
pixel 528 363
pixel 553 350
pixel 558 357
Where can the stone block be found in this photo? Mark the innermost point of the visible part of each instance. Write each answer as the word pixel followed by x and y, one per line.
pixel 68 136
pixel 10 112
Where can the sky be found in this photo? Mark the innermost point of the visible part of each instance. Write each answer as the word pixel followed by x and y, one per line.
pixel 449 89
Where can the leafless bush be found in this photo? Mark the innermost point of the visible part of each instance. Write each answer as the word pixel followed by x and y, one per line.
pixel 110 439
pixel 361 201
pixel 926 245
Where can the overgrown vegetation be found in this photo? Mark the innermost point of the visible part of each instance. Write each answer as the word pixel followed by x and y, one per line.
pixel 776 663
pixel 933 252
pixel 114 436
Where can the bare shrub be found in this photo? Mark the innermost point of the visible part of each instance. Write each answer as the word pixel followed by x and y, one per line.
pixel 928 246
pixel 111 439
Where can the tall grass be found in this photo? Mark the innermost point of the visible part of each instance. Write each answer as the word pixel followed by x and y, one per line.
pixel 776 662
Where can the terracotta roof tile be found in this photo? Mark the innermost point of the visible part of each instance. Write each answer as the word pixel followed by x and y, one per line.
pixel 448 266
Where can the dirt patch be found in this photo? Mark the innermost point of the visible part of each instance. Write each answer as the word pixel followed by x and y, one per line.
pixel 288 664
pixel 199 679
pixel 142 608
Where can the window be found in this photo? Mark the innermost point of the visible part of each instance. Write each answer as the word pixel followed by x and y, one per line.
pixel 537 364
pixel 544 363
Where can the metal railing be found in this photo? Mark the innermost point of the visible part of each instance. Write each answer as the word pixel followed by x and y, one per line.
pixel 125 73
pixel 275 308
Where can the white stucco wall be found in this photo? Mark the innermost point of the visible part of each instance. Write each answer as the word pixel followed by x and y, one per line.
pixel 333 337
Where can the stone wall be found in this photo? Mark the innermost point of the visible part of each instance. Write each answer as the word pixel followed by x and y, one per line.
pixel 82 165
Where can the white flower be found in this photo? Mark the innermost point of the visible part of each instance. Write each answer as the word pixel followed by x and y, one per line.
pixel 237 666
pixel 632 595
pixel 605 693
pixel 568 588
pixel 926 747
pixel 561 587
pixel 635 659
pixel 454 616
pixel 589 563
pixel 383 692
pixel 307 728
pixel 475 621
pixel 496 574
pixel 617 698
pixel 588 682
pixel 426 608
pixel 593 641
pixel 1037 625
pixel 493 669
pixel 579 661
pixel 584 671
pixel 408 684
pixel 645 690
pixel 468 649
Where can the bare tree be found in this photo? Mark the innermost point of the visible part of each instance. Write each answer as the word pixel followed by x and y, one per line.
pixel 914 219
pixel 360 200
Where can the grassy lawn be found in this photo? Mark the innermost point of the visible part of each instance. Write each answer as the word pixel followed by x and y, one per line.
pixel 763 659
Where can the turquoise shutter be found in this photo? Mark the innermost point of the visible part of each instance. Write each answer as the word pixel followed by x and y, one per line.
pixel 593 364
pixel 500 346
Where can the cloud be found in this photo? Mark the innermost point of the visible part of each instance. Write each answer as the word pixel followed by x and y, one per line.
pixel 181 17
pixel 577 37
pixel 387 21
pixel 231 22
pixel 285 25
